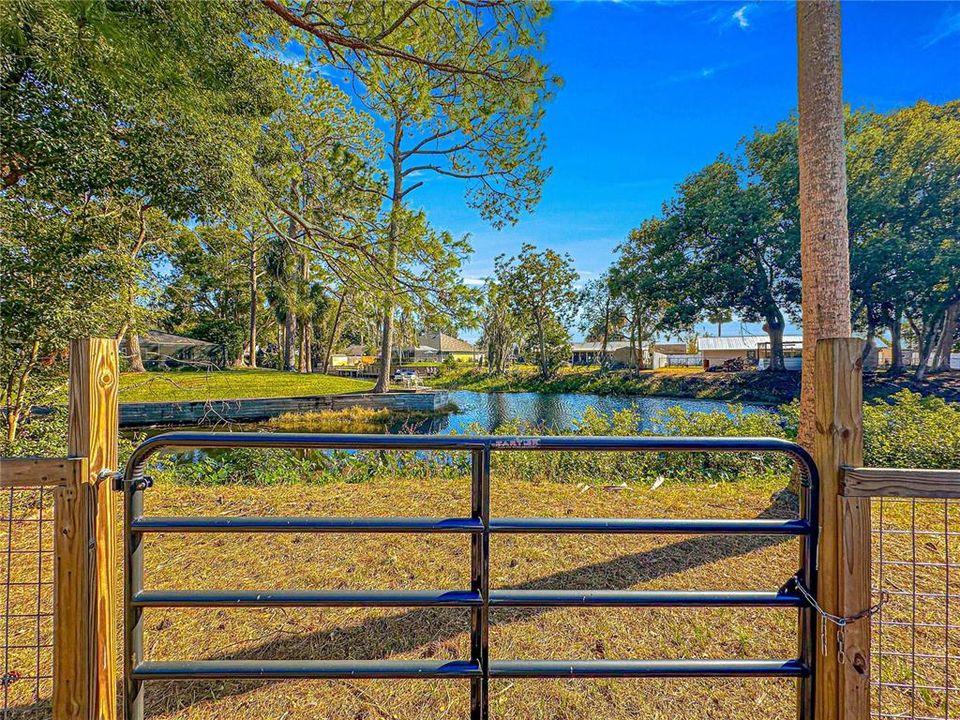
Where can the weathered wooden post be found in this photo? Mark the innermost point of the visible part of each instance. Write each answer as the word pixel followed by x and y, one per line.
pixel 85 622
pixel 842 683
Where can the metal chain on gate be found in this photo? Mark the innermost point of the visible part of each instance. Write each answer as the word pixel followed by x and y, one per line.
pixel 840 621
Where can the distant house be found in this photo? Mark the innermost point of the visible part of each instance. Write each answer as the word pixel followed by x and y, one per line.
pixel 591 353
pixel 756 350
pixel 419 353
pixel 445 346
pixel 670 348
pixel 352 355
pixel 718 350
pixel 161 349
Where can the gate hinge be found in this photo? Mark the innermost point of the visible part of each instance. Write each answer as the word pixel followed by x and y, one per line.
pixel 142 484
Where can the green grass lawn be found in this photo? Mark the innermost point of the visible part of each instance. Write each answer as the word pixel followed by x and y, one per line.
pixel 231 384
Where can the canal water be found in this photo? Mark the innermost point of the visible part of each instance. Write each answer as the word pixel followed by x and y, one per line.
pixel 557 411
pixel 478 412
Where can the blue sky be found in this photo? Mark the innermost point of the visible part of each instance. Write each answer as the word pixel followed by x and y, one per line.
pixel 654 91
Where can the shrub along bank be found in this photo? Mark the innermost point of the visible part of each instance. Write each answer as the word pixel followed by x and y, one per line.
pixel 908 430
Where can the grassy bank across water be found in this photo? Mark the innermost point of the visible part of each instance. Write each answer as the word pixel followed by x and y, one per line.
pixel 232 385
pixel 688 383
pixel 750 386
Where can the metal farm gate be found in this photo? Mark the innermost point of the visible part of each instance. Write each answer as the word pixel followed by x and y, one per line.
pixel 479 598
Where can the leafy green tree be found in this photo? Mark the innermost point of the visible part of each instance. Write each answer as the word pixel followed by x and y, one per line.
pixel 648 280
pixel 603 316
pixel 120 119
pixel 53 288
pixel 719 316
pixel 541 288
pixel 905 201
pixel 470 110
pixel 318 182
pixel 501 330
pixel 902 200
pixel 208 292
pixel 730 245
pixel 84 85
pixel 357 34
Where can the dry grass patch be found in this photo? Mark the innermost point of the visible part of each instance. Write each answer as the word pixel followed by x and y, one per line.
pixel 401 561
pixel 408 561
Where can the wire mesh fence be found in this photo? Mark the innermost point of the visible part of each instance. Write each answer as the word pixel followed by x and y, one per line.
pixel 916 634
pixel 26 545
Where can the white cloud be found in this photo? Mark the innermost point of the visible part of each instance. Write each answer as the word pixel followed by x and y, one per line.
pixel 704 73
pixel 948 26
pixel 740 17
pixel 474 281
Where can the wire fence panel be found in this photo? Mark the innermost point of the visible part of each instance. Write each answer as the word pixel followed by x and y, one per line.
pixel 916 633
pixel 26 519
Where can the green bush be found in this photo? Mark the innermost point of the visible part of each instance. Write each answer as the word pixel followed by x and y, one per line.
pixel 906 430
pixel 912 431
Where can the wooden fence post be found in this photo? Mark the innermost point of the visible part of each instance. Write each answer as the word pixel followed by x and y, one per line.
pixel 842 685
pixel 85 622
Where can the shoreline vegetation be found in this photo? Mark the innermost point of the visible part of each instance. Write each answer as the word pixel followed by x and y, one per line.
pixel 773 388
pixel 356 420
pixel 764 387
pixel 904 430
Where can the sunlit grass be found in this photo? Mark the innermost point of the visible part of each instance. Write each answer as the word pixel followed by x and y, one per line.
pixel 347 420
pixel 232 384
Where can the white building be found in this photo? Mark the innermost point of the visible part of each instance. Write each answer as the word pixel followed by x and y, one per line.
pixel 718 350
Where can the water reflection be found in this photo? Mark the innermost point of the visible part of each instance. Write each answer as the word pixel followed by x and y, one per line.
pixel 490 411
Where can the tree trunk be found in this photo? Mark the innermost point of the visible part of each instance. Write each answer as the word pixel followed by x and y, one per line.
pixel 604 360
pixel 775 326
pixel 301 346
pixel 334 335
pixel 133 350
pixel 824 251
pixel 16 407
pixel 641 334
pixel 386 337
pixel 926 340
pixel 896 349
pixel 289 341
pixel 13 423
pixel 868 343
pixel 947 334
pixel 308 346
pixel 254 305
pixel 541 341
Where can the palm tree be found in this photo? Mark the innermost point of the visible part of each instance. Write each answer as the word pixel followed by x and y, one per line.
pixel 824 253
pixel 718 317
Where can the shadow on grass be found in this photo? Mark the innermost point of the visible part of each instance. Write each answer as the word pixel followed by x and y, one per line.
pixel 434 630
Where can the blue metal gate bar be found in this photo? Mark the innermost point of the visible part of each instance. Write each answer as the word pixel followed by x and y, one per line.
pixel 647 668
pixel 465 598
pixel 306 669
pixel 306 525
pixel 479 598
